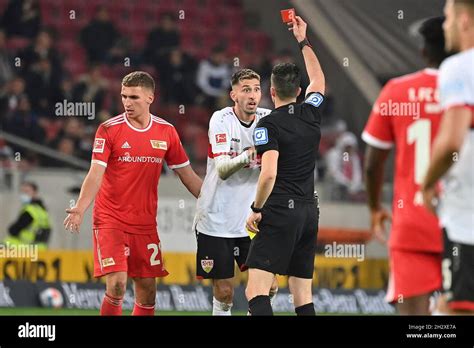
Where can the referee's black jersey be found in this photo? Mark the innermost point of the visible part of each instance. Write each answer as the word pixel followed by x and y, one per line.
pixel 294 131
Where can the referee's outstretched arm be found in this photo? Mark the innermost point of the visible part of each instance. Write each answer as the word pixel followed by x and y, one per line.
pixel 313 68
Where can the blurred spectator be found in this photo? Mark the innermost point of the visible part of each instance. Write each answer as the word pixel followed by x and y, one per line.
pixel 42 48
pixel 43 86
pixel 22 18
pixel 91 88
pixel 161 41
pixel 6 162
pixel 99 36
pixel 6 61
pixel 344 167
pixel 32 225
pixel 10 96
pixel 213 77
pixel 178 78
pixel 23 122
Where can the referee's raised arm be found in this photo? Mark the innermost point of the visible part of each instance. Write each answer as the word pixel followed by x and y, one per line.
pixel 313 68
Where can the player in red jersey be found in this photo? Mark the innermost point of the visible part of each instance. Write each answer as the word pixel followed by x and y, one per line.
pixel 407 115
pixel 127 159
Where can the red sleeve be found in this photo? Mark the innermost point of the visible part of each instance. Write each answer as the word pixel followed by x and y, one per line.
pixel 176 156
pixel 378 131
pixel 102 147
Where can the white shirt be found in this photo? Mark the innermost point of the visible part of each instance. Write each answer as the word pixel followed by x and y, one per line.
pixel 224 205
pixel 456 83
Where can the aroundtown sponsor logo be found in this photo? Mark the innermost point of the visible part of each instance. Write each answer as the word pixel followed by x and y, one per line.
pixel 356 251
pixel 84 109
pixel 29 251
pixel 37 331
pixel 139 159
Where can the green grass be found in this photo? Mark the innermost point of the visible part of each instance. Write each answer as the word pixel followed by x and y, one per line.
pixel 26 311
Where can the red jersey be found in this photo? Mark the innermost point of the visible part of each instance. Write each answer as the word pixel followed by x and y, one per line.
pixel 128 195
pixel 407 115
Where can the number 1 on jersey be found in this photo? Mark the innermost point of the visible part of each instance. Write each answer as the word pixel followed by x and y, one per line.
pixel 419 133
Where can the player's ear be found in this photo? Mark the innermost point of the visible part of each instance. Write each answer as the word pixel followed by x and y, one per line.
pixel 151 97
pixel 272 92
pixel 299 91
pixel 233 95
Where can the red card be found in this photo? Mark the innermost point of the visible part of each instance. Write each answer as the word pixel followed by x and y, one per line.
pixel 287 15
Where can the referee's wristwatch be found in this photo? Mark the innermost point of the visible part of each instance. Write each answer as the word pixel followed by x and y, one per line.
pixel 305 42
pixel 255 210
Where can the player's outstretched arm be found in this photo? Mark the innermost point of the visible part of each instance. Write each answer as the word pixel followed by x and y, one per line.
pixel 227 166
pixel 89 189
pixel 313 68
pixel 190 179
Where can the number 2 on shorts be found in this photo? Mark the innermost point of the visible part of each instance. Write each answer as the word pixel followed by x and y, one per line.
pixel 153 260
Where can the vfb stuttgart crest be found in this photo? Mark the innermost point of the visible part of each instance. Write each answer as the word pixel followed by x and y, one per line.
pixel 207 265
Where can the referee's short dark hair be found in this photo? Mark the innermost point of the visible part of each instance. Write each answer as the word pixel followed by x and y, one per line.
pixel 286 80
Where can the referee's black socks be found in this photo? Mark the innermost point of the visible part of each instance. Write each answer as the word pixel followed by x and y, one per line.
pixel 307 309
pixel 260 305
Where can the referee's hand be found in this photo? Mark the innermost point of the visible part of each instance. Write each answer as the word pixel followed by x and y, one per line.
pixel 252 222
pixel 377 224
pixel 298 26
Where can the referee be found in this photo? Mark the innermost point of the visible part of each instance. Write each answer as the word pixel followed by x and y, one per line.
pixel 285 212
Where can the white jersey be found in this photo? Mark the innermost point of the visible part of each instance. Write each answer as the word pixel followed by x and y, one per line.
pixel 456 84
pixel 224 205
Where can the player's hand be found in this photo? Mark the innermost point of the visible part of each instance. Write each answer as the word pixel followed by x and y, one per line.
pixel 252 222
pixel 377 224
pixel 74 219
pixel 430 198
pixel 298 26
pixel 252 153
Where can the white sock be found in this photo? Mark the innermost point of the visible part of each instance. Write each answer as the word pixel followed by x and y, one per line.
pixel 220 308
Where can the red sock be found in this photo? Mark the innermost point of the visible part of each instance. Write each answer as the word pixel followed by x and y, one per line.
pixel 111 305
pixel 139 309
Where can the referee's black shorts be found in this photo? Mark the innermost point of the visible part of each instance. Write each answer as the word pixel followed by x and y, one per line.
pixel 286 243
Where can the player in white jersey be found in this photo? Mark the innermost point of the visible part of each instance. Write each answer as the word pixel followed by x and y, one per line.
pixel 453 159
pixel 228 189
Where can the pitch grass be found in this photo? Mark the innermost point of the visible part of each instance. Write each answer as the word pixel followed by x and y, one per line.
pixel 26 311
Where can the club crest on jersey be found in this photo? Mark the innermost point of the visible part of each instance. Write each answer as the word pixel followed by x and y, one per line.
pixel 260 136
pixel 207 265
pixel 314 99
pixel 159 144
pixel 221 138
pixel 99 145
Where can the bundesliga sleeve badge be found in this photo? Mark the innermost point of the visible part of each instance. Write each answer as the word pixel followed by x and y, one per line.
pixel 99 145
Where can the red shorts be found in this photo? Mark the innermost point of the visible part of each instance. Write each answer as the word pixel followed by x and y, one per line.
pixel 137 254
pixel 413 273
